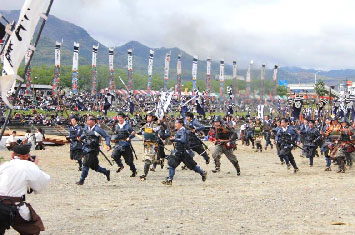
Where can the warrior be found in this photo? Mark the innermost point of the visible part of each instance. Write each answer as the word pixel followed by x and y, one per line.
pixel 224 144
pixel 267 132
pixel 196 144
pixel 163 134
pixel 275 130
pixel 180 154
pixel 311 141
pixel 250 134
pixel 76 147
pixel 258 134
pixel 287 138
pixel 332 134
pixel 91 148
pixel 18 177
pixel 123 147
pixel 343 146
pixel 150 134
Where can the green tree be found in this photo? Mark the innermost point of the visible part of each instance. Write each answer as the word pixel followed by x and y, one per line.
pixel 282 90
pixel 320 88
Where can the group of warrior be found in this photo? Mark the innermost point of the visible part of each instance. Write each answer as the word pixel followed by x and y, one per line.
pixel 334 138
pixel 184 135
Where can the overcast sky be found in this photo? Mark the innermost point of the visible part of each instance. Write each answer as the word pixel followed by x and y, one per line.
pixel 316 34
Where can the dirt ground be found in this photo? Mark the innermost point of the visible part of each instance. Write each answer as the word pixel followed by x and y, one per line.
pixel 266 199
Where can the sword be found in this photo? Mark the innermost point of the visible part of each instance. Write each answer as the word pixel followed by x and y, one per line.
pixel 105 157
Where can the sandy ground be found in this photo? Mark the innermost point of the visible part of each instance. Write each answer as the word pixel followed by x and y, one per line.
pixel 266 199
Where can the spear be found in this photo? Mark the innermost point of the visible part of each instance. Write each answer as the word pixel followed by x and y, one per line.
pixel 134 99
pixel 44 20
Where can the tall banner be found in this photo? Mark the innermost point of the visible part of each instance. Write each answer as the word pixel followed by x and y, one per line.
pixel 166 70
pixel 248 78
pixel 56 79
pixel 262 78
pixel 18 44
pixel 208 75
pixel 28 73
pixel 194 73
pixel 221 79
pixel 75 68
pixel 112 71
pixel 130 69
pixel 235 74
pixel 178 71
pixel 274 78
pixel 150 69
pixel 93 68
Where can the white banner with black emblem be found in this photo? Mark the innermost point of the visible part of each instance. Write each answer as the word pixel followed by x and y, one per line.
pixel 221 71
pixel 94 55
pixel 20 39
pixel 194 68
pixel 76 56
pixel 130 60
pixel 166 66
pixel 57 54
pixel 150 63
pixel 260 111
pixel 178 65
pixel 110 58
pixel 209 61
pixel 274 76
pixel 235 69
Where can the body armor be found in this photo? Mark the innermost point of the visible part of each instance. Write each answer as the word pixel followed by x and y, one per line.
pixel 91 140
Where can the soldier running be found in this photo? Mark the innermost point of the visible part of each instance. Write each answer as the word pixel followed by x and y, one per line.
pixel 123 147
pixel 224 144
pixel 180 154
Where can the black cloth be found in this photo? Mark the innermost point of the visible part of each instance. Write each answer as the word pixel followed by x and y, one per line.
pixel 91 159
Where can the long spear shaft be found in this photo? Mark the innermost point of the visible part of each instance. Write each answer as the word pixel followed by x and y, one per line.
pixel 128 93
pixel 27 66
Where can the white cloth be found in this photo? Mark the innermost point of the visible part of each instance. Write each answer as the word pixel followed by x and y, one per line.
pixel 10 140
pixel 28 137
pixel 39 137
pixel 121 125
pixel 18 175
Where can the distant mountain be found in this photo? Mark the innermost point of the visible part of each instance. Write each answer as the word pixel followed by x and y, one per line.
pixel 58 30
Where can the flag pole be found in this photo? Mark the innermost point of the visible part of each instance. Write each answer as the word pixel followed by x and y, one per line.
pixel 44 20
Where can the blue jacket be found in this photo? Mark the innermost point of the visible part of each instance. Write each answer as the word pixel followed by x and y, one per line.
pixel 97 132
pixel 127 127
pixel 74 133
pixel 290 133
pixel 195 124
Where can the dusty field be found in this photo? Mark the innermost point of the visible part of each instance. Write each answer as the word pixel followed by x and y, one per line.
pixel 265 199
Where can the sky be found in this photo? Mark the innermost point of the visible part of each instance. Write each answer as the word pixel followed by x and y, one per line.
pixel 317 34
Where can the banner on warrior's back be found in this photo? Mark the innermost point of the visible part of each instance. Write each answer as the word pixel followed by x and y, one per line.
pixel 18 44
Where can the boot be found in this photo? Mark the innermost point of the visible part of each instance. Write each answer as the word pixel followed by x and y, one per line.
pixel 167 182
pixel 217 169
pixel 204 176
pixel 162 164
pixel 288 166
pixel 142 177
pixel 80 182
pixel 108 175
pixel 120 169
pixel 134 173
pixel 236 165
pixel 328 169
pixel 295 170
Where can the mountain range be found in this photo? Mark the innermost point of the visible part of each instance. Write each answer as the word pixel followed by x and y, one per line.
pixel 60 30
